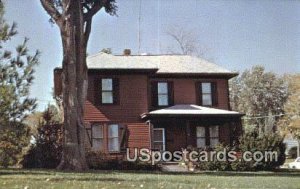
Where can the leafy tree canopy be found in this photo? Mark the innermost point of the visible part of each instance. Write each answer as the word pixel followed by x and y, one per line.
pixel 261 95
pixel 16 77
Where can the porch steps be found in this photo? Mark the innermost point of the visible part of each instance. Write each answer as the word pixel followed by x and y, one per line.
pixel 173 167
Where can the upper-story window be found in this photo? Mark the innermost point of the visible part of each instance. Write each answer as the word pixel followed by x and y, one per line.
pixel 162 94
pixel 207 94
pixel 109 91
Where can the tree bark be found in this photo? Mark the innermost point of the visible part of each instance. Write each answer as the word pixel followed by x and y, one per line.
pixel 75 82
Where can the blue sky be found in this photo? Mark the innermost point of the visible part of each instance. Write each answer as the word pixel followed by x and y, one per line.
pixel 235 34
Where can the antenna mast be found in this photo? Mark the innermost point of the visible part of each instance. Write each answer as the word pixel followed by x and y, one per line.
pixel 139 28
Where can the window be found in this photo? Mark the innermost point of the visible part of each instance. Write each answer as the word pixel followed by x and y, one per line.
pixel 213 135
pixel 207 94
pixel 113 138
pixel 207 136
pixel 201 138
pixel 97 137
pixel 159 139
pixel 107 91
pixel 162 94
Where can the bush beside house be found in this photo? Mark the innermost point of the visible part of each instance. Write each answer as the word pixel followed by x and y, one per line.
pixel 250 142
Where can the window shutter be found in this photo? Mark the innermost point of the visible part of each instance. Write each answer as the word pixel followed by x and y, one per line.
pixel 123 137
pixel 207 136
pixel 199 93
pixel 214 94
pixel 170 93
pixel 97 91
pixel 116 91
pixel 89 135
pixel 154 93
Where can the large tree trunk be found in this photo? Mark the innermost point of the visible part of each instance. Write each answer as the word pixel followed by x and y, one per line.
pixel 74 88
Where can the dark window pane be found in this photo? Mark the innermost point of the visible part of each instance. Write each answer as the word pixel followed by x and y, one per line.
pixel 158 135
pixel 201 142
pixel 214 131
pixel 97 144
pixel 97 131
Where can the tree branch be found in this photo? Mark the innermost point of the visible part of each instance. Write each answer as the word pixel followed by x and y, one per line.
pixel 50 8
pixel 87 31
pixel 94 9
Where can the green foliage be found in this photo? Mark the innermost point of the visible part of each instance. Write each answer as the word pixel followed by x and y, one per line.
pixel 250 142
pixel 290 123
pixel 267 142
pixel 16 76
pixel 46 151
pixel 100 160
pixel 216 165
pixel 293 152
pixel 13 140
pixel 259 93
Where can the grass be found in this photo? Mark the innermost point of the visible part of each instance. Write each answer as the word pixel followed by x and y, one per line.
pixel 31 179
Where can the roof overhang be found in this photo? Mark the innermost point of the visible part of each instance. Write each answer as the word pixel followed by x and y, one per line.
pixel 195 75
pixel 190 111
pixel 118 70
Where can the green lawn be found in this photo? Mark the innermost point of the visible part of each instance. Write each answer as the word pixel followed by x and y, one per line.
pixel 29 179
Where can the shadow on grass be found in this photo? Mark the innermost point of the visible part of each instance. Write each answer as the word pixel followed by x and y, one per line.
pixel 62 179
pixel 279 173
pixel 14 171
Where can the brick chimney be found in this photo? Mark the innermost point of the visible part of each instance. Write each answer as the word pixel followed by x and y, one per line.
pixel 127 52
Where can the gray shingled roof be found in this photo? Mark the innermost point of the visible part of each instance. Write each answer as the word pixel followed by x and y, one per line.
pixel 164 63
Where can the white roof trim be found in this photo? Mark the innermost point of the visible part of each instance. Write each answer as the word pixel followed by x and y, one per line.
pixel 191 109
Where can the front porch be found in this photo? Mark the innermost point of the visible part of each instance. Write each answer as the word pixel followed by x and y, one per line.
pixel 185 126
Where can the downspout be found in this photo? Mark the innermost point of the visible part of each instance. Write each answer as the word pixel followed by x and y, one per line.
pixel 298 149
pixel 150 134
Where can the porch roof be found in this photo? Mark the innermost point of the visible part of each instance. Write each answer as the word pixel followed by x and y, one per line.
pixel 184 110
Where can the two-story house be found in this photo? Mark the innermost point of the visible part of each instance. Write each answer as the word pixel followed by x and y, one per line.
pixel 159 102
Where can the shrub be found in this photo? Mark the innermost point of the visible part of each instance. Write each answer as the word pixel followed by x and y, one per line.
pixel 293 152
pixel 13 139
pixel 46 150
pixel 99 160
pixel 267 142
pixel 249 142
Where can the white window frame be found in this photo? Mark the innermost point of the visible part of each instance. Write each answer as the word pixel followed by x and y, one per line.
pixel 163 94
pixel 97 138
pixel 107 91
pixel 163 138
pixel 206 94
pixel 109 138
pixel 201 137
pixel 210 137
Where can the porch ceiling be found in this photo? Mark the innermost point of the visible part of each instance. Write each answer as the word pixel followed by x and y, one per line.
pixel 190 110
